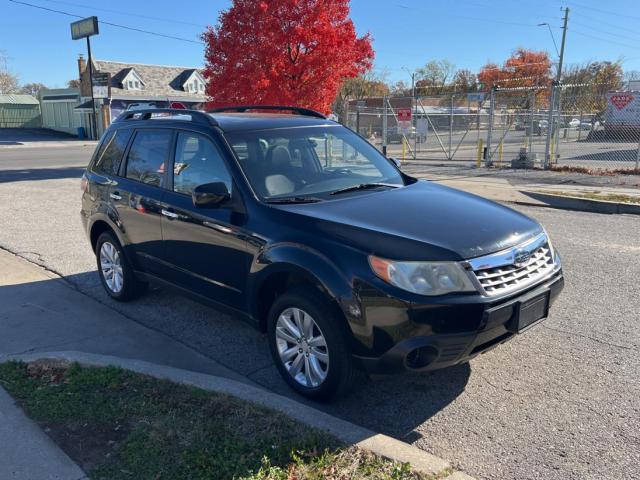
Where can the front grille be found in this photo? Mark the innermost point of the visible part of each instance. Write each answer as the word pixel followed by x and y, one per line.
pixel 507 278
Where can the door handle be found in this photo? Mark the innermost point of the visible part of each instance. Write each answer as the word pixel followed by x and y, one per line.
pixel 170 214
pixel 115 196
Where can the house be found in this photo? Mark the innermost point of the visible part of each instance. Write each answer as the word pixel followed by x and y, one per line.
pixel 120 85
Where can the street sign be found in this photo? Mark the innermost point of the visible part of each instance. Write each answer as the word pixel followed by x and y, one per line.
pixel 84 28
pixel 100 91
pixel 403 116
pixel 100 79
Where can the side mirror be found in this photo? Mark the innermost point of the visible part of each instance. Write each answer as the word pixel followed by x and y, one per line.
pixel 210 194
pixel 396 161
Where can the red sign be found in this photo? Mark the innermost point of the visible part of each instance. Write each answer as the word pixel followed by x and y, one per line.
pixel 621 100
pixel 178 105
pixel 404 114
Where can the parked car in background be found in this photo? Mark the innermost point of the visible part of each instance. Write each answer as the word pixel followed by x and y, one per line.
pixel 301 227
pixel 574 123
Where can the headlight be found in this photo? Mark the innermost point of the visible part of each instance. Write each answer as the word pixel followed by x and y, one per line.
pixel 423 278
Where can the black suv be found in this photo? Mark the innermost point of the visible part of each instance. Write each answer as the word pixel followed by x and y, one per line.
pixel 299 225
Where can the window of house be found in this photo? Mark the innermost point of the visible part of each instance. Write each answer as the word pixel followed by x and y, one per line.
pixel 148 155
pixel 197 161
pixel 109 161
pixel 137 84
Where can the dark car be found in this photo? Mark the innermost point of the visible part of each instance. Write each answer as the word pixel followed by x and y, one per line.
pixel 302 227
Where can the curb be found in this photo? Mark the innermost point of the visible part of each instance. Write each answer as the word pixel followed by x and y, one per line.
pixel 347 432
pixel 583 204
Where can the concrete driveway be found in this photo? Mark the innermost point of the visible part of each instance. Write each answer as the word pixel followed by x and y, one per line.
pixel 560 402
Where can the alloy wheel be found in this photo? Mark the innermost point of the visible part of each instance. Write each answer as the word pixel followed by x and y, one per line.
pixel 302 347
pixel 111 266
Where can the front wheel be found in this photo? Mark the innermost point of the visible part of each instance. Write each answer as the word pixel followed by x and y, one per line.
pixel 309 344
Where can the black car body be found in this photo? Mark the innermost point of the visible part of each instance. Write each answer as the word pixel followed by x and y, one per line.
pixel 362 255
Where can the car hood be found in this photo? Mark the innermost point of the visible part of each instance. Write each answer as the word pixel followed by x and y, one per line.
pixel 421 221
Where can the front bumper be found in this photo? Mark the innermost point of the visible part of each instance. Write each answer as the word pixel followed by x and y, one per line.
pixel 433 350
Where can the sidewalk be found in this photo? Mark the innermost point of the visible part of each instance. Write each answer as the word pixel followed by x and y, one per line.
pixel 41 312
pixel 570 195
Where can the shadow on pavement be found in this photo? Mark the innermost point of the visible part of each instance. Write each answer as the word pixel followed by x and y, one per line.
pixel 40 315
pixel 21 175
pixel 14 136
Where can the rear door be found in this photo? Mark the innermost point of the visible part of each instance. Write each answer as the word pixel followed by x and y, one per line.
pixel 204 246
pixel 137 195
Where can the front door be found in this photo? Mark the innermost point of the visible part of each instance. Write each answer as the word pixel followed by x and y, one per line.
pixel 138 193
pixel 204 247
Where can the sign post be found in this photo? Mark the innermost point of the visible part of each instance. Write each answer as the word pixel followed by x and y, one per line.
pixel 84 29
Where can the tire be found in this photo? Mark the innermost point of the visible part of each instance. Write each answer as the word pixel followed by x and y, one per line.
pixel 109 252
pixel 339 371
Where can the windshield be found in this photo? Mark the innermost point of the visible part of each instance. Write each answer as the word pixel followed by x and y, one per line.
pixel 310 161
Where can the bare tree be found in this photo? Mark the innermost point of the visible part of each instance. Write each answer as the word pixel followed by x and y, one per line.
pixel 32 88
pixel 434 76
pixel 9 82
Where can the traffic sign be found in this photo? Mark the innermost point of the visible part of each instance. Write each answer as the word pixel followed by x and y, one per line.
pixel 403 116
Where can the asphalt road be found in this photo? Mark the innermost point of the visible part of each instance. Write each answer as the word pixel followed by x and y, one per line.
pixel 559 402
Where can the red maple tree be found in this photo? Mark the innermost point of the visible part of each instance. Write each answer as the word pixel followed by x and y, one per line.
pixel 525 68
pixel 283 52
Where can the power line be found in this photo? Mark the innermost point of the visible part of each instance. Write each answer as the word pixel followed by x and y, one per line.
pixel 600 10
pixel 604 39
pixel 600 21
pixel 148 17
pixel 126 27
pixel 635 39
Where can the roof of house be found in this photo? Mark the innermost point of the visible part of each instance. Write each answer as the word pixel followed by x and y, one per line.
pixel 159 80
pixel 18 99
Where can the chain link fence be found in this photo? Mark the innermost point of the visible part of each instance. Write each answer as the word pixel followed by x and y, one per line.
pixel 586 128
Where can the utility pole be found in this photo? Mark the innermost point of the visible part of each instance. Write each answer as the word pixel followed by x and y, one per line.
pixel 564 37
pixel 555 95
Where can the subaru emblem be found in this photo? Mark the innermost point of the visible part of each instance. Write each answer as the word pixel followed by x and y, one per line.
pixel 521 258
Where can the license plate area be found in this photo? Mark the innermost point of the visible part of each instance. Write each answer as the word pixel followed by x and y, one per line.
pixel 530 311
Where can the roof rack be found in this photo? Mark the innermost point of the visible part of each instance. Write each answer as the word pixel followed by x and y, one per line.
pixel 147 114
pixel 243 108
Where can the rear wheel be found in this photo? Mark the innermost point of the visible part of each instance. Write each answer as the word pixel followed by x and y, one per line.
pixel 116 275
pixel 309 344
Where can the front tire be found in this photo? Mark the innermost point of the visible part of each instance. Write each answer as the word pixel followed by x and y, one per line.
pixel 309 344
pixel 116 274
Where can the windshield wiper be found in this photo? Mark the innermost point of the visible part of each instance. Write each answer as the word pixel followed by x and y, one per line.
pixel 294 200
pixel 363 186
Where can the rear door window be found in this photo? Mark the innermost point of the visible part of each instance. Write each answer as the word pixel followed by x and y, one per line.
pixel 110 156
pixel 148 155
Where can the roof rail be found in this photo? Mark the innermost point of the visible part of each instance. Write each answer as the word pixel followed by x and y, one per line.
pixel 147 113
pixel 243 108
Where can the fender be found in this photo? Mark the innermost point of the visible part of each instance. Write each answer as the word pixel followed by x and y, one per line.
pixel 109 216
pixel 288 257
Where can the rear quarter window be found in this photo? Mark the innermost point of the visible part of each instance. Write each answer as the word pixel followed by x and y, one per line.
pixel 108 161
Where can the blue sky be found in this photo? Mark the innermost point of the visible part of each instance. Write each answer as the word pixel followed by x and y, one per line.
pixel 406 33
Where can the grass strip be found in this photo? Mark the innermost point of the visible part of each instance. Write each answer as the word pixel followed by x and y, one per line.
pixel 118 424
